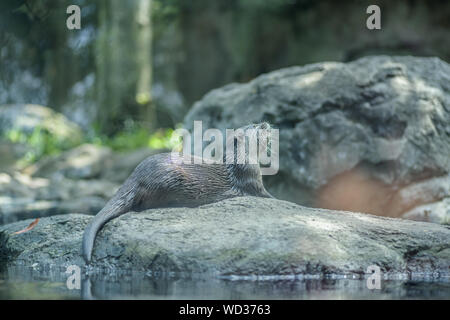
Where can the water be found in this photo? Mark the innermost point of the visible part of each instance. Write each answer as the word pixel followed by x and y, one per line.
pixel 27 283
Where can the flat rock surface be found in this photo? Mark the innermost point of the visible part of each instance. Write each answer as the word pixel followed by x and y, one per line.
pixel 239 236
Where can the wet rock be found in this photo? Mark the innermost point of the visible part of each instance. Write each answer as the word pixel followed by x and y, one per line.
pixel 240 236
pixel 383 120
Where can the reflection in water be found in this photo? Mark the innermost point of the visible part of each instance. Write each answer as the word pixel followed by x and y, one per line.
pixel 86 289
pixel 26 283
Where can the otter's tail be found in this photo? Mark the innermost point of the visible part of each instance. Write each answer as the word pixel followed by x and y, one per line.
pixel 112 210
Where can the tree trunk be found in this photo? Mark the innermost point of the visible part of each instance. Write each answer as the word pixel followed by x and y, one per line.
pixel 124 64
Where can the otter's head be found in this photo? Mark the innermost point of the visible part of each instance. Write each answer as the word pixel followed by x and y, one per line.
pixel 247 142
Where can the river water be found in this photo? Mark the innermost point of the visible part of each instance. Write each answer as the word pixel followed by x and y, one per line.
pixel 28 283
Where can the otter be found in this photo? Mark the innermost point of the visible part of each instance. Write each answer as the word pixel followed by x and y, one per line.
pixel 163 180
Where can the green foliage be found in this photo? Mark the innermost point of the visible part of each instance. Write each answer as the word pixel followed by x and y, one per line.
pixel 135 137
pixel 161 139
pixel 40 142
pixel 165 10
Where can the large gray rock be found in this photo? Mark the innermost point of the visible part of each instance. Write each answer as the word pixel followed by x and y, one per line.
pixel 385 119
pixel 240 236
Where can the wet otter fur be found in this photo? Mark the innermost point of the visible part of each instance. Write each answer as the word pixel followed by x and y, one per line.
pixel 163 180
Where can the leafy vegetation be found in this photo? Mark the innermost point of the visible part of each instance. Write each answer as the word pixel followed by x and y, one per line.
pixel 40 142
pixel 133 138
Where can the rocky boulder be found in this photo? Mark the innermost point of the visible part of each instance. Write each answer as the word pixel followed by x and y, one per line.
pixel 352 135
pixel 244 236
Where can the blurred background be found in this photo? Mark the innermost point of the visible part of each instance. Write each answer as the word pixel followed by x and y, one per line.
pixel 145 62
pixel 80 109
pixel 130 74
